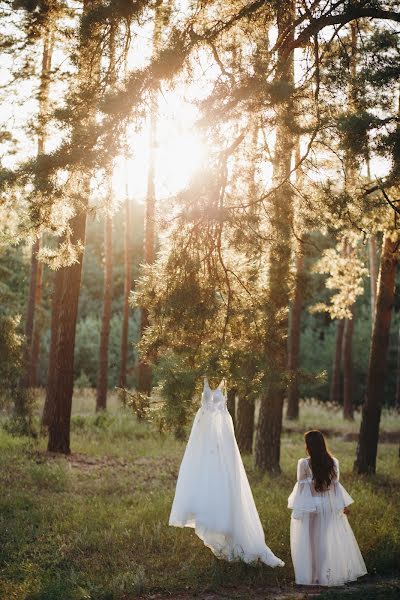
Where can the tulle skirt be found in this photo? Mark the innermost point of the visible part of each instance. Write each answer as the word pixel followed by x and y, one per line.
pixel 213 495
pixel 324 549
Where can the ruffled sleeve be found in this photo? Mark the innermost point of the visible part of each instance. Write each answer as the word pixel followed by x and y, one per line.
pixel 301 500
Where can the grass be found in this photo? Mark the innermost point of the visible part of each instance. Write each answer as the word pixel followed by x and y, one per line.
pixel 95 525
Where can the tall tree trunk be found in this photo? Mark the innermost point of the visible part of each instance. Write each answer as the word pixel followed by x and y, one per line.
pixel 63 381
pixel 245 424
pixel 33 373
pixel 231 404
pixel 102 382
pixel 32 332
pixel 54 328
pixel 267 448
pixel 144 369
pixel 161 19
pixel 127 289
pixel 348 410
pixel 371 413
pixel 335 387
pixel 373 274
pixel 294 338
pixel 61 368
pixel 397 399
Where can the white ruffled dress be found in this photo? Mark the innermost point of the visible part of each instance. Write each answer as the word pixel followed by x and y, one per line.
pixel 213 495
pixel 324 549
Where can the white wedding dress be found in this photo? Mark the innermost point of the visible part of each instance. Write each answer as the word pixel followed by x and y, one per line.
pixel 324 549
pixel 212 492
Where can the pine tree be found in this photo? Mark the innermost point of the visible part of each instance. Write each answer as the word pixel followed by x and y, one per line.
pixel 369 431
pixel 102 381
pixel 267 448
pixel 127 291
pixel 61 377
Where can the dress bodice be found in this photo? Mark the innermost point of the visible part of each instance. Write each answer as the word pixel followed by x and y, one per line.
pixel 213 399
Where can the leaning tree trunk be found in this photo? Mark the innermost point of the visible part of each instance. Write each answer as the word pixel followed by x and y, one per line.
pixel 292 411
pixel 32 332
pixel 245 424
pixel 348 410
pixel 267 448
pixel 335 387
pixel 62 377
pixel 371 413
pixel 102 381
pixel 127 290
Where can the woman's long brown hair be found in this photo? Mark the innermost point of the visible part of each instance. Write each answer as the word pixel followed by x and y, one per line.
pixel 322 464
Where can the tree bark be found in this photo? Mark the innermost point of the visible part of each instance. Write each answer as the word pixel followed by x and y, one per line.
pixel 144 369
pixel 32 332
pixel 63 376
pixel 102 382
pixel 245 424
pixel 54 327
pixel 397 399
pixel 292 411
pixel 33 372
pixel 335 388
pixel 231 404
pixel 348 409
pixel 144 383
pixel 61 368
pixel 371 413
pixel 127 290
pixel 373 274
pixel 267 448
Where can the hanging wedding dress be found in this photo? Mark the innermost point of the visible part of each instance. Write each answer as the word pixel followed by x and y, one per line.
pixel 324 549
pixel 212 492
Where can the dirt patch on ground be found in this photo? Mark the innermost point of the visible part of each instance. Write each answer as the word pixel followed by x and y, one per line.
pixel 369 586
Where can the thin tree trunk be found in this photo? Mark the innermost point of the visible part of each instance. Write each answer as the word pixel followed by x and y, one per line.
pixel 54 327
pixel 102 382
pixel 348 410
pixel 144 369
pixel 373 274
pixel 231 404
pixel 371 413
pixel 127 289
pixel 33 381
pixel 161 18
pixel 31 327
pixel 245 424
pixel 335 388
pixel 30 315
pixel 267 448
pixel 294 339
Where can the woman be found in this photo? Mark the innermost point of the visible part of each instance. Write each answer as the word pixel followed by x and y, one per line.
pixel 324 549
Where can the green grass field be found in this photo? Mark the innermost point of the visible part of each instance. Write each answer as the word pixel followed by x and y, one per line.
pixel 96 525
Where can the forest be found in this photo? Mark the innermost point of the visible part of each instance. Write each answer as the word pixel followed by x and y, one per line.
pixel 193 188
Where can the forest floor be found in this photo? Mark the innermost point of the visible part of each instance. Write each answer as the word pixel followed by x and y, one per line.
pixel 93 525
